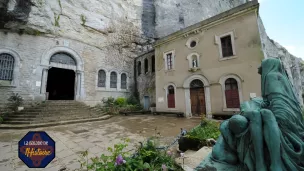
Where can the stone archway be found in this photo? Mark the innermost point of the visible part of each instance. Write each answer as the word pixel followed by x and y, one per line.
pixel 47 63
pixel 206 84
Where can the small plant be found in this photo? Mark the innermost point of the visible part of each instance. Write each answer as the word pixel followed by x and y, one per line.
pixel 120 101
pixel 83 19
pixel 15 100
pixel 1 119
pixel 57 20
pixel 59 2
pixel 147 157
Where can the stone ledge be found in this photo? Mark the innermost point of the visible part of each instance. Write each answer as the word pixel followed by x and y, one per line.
pixel 10 126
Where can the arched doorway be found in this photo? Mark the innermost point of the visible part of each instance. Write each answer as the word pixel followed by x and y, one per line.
pixel 61 77
pixel 197 97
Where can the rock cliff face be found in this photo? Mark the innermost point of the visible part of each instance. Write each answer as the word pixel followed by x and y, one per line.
pixel 127 25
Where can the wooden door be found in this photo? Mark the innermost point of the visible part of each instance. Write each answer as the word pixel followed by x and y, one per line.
pixel 198 105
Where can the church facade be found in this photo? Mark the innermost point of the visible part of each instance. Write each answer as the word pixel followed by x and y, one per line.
pixel 211 67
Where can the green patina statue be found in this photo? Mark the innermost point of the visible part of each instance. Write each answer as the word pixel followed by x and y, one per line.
pixel 268 134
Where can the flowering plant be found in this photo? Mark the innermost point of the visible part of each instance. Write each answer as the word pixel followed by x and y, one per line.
pixel 147 158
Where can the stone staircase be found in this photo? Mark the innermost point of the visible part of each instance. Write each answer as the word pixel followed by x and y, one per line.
pixel 53 111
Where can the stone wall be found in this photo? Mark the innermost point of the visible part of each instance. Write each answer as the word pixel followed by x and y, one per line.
pixel 173 15
pixel 145 82
pixel 31 50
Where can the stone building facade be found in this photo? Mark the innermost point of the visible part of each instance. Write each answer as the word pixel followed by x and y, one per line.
pixel 94 75
pixel 210 67
pixel 144 74
pixel 32 30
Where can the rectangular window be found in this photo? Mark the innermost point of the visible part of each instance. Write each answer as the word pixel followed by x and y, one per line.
pixel 169 61
pixel 226 43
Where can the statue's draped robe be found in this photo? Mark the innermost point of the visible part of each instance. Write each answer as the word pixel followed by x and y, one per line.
pixel 278 94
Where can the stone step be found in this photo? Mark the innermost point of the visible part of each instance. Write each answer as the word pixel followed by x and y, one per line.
pixel 58 112
pixel 53 110
pixel 46 120
pixel 49 118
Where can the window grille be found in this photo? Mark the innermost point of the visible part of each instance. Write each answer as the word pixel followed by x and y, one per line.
pixel 113 80
pixel 123 81
pixel 63 58
pixel 101 78
pixel 6 67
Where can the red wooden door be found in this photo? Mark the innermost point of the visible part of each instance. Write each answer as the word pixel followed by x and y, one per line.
pixel 232 98
pixel 232 93
pixel 198 105
pixel 171 100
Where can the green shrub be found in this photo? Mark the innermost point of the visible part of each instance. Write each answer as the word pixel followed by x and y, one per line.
pixel 132 100
pixel 120 101
pixel 1 119
pixel 15 100
pixel 108 102
pixel 208 129
pixel 146 158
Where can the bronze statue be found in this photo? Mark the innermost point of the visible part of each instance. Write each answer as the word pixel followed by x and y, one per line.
pixel 268 134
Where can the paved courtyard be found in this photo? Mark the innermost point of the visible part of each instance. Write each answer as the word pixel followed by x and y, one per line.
pixel 95 137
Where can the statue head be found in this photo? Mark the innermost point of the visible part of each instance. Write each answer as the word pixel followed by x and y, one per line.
pixel 271 65
pixel 238 124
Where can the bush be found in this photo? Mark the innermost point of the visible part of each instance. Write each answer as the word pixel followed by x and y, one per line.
pixel 15 100
pixel 147 157
pixel 108 102
pixel 203 132
pixel 132 100
pixel 120 101
pixel 1 119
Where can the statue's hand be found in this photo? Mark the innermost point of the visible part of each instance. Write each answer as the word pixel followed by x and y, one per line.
pixel 264 104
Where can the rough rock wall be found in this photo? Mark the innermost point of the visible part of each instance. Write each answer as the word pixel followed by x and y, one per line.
pixel 93 22
pixel 173 15
pixel 291 63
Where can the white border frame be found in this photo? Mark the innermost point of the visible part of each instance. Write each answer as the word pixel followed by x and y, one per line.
pixel 218 42
pixel 186 86
pixel 173 60
pixel 239 82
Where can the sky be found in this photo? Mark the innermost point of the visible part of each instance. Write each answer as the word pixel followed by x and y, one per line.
pixel 284 23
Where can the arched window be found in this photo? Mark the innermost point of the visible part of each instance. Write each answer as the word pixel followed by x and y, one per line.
pixel 232 93
pixel 101 78
pixel 153 63
pixel 171 97
pixel 146 66
pixel 7 63
pixel 63 58
pixel 139 67
pixel 113 80
pixel 123 81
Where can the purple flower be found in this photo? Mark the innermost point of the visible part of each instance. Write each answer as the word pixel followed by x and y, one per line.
pixel 119 160
pixel 169 153
pixel 164 167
